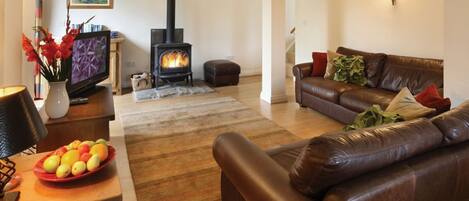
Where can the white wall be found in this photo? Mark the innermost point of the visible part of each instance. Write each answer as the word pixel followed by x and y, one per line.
pixel 2 37
pixel 12 53
pixel 457 50
pixel 216 28
pixel 290 12
pixel 16 17
pixel 28 22
pixel 414 28
pixel 311 28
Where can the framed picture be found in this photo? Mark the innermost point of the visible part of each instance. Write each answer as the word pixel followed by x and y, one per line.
pixel 91 4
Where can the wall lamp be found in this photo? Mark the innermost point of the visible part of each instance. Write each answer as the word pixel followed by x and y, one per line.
pixel 393 2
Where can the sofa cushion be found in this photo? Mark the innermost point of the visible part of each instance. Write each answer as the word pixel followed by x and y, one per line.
pixel 320 64
pixel 350 69
pixel 334 158
pixel 405 105
pixel 413 73
pixel 361 99
pixel 374 63
pixel 432 98
pixel 329 90
pixel 429 96
pixel 330 68
pixel 454 124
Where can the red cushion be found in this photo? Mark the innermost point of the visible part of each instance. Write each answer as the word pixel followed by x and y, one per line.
pixel 320 64
pixel 431 98
pixel 429 95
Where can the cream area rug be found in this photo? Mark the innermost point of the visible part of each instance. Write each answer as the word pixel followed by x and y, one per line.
pixel 169 143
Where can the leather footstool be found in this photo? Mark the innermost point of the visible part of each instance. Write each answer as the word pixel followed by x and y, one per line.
pixel 221 73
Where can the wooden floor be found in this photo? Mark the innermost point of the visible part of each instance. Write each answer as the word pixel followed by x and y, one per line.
pixel 302 122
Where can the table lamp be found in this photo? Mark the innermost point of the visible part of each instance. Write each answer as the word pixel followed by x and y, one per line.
pixel 21 127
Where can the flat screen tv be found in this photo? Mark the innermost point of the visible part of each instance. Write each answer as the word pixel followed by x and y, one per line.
pixel 89 63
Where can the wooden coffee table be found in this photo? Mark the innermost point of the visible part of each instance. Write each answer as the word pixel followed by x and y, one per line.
pixel 103 185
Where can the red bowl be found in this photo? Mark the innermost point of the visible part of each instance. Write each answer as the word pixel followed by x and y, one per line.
pixel 44 176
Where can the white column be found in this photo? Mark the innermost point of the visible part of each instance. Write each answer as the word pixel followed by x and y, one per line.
pixel 273 51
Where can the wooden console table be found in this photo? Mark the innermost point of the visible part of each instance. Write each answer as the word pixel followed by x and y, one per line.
pixel 115 71
pixel 83 122
pixel 104 185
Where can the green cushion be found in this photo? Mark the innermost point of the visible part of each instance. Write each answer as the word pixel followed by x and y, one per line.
pixel 350 69
pixel 372 117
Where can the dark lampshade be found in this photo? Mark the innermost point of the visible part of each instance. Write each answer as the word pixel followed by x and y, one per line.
pixel 21 126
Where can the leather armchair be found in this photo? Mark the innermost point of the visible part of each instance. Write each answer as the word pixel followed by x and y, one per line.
pixel 255 175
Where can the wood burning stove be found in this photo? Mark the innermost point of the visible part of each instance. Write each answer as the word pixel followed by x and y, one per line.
pixel 172 62
pixel 171 58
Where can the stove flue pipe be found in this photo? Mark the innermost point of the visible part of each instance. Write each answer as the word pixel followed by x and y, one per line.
pixel 170 21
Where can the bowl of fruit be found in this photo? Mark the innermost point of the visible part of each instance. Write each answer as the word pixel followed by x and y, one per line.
pixel 75 161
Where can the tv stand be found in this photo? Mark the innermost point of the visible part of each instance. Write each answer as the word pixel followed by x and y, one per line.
pixel 83 122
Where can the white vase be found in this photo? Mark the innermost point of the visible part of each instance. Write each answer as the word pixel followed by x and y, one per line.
pixel 57 102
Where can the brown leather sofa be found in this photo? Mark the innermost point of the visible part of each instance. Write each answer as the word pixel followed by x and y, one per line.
pixel 387 75
pixel 419 160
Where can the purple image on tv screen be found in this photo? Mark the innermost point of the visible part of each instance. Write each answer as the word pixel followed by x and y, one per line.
pixel 89 58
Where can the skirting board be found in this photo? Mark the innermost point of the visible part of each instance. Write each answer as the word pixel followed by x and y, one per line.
pixel 250 72
pixel 245 72
pixel 274 99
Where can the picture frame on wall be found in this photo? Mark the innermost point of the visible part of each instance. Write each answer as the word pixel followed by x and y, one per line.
pixel 91 4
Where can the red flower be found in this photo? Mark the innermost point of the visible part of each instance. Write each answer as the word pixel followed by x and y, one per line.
pixel 29 50
pixel 50 49
pixel 67 44
pixel 51 52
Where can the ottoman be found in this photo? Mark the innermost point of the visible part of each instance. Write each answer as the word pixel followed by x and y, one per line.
pixel 221 73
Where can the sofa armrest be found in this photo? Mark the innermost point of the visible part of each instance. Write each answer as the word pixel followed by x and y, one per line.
pixel 302 70
pixel 254 174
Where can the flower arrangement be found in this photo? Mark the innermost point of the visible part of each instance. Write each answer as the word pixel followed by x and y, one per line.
pixel 51 56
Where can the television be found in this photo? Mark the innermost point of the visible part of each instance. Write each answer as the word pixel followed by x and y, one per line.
pixel 89 63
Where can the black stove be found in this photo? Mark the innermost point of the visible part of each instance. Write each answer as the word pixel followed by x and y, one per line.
pixel 171 58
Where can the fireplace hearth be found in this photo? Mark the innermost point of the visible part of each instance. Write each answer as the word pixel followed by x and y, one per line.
pixel 171 58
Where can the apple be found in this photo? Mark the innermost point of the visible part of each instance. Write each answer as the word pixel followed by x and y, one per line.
pixel 78 168
pixel 74 144
pixel 68 147
pixel 61 151
pixel 101 141
pixel 85 157
pixel 51 164
pixel 90 143
pixel 83 148
pixel 63 171
pixel 93 163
